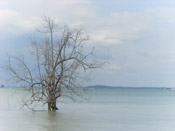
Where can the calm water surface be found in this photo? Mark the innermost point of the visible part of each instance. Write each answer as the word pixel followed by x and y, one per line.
pixel 107 110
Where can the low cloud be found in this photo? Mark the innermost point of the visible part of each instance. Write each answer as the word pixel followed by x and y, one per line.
pixel 131 25
pixel 111 68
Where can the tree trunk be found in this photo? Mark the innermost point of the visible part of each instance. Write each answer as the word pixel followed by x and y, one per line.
pixel 52 102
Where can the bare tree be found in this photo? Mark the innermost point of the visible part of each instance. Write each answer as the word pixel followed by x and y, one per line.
pixel 59 62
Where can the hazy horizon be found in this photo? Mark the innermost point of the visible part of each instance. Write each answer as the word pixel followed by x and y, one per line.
pixel 105 86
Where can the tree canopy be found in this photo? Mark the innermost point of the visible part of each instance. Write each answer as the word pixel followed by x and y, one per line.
pixel 59 61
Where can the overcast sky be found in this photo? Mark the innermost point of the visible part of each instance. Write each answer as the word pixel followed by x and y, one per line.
pixel 136 37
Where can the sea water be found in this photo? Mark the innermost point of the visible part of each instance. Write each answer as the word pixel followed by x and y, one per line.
pixel 106 110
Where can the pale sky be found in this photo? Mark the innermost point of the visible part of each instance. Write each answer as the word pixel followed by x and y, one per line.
pixel 136 37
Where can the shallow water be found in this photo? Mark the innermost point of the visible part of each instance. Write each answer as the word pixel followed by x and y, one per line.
pixel 107 110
